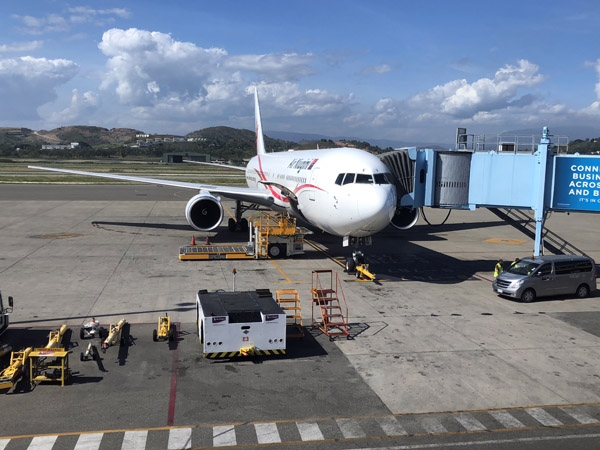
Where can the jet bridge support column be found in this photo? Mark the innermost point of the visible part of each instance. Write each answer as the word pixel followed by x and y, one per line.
pixel 540 205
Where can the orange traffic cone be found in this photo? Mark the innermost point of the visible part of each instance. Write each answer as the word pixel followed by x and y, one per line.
pixel 193 240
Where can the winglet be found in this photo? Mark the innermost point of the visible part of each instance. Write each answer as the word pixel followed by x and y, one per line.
pixel 260 140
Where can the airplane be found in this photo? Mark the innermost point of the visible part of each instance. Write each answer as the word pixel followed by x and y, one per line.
pixel 346 192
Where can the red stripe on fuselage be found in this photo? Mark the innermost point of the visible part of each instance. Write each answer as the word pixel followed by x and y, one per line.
pixel 277 195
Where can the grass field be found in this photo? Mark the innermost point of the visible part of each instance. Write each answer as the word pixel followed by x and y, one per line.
pixel 17 172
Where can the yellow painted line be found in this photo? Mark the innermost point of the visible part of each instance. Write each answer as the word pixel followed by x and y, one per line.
pixel 330 418
pixel 505 241
pixel 316 247
pixel 288 280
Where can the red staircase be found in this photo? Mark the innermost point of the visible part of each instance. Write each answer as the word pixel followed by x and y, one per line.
pixel 326 293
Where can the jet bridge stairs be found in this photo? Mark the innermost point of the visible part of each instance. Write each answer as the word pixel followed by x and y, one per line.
pixel 525 223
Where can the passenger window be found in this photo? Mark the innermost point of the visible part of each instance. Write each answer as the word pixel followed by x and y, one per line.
pixel 383 178
pixel 564 268
pixel 362 178
pixel 546 269
pixel 349 178
pixel 339 178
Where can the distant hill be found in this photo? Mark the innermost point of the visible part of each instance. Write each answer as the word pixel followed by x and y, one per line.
pixel 85 135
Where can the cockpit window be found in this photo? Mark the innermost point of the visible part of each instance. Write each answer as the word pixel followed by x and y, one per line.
pixel 339 178
pixel 363 178
pixel 383 178
pixel 349 178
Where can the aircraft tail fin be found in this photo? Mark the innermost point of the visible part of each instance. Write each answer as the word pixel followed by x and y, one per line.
pixel 260 140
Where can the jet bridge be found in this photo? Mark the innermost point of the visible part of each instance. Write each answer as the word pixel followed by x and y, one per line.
pixel 511 173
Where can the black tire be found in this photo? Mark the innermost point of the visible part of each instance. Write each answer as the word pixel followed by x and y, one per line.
pixel 81 357
pixel 154 335
pixel 582 291
pixel 275 251
pixel 528 296
pixel 350 264
pixel 172 332
pixel 358 274
pixel 243 224
pixel 231 224
pixel 81 333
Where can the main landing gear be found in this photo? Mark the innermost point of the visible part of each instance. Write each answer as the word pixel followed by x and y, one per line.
pixel 239 223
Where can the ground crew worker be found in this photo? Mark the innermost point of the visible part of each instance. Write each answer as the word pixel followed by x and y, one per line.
pixel 498 269
pixel 514 262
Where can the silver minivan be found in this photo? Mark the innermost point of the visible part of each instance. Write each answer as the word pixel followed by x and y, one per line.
pixel 547 275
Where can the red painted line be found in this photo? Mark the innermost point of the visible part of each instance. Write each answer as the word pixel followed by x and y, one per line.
pixel 483 278
pixel 171 415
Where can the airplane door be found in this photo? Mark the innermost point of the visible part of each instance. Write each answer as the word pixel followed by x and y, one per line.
pixel 314 181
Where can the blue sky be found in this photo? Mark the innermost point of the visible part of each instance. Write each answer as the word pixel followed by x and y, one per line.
pixel 409 71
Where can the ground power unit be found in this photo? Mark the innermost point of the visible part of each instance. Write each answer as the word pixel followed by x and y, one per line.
pixel 240 324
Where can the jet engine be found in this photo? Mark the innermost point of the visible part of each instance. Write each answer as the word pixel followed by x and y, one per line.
pixel 405 218
pixel 204 212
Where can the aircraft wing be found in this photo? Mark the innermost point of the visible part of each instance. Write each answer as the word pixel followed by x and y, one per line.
pixel 245 194
pixel 225 166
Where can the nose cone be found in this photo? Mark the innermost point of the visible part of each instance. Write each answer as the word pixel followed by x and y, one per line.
pixel 377 210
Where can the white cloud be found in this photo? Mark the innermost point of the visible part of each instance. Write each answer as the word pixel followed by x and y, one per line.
pixel 274 66
pixel 19 47
pixel 460 99
pixel 85 14
pixel 148 66
pixel 40 25
pixel 375 70
pixel 27 83
pixel 81 107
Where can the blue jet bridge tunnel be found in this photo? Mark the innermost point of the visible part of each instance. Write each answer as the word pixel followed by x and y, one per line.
pixel 509 175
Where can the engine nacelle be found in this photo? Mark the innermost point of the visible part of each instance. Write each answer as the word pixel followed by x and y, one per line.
pixel 204 212
pixel 405 218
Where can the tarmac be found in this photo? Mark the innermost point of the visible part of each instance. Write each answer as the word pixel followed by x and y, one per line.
pixel 429 337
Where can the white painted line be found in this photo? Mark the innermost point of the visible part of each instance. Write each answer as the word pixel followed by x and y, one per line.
pixel 224 435
pixel 487 443
pixel 180 438
pixel 267 433
pixel 42 443
pixel 578 415
pixel 543 417
pixel 350 428
pixel 469 422
pixel 134 440
pixel 433 425
pixel 506 419
pixel 4 443
pixel 390 426
pixel 89 441
pixel 309 431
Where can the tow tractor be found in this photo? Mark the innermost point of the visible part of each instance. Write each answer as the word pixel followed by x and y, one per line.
pixel 90 330
pixel 166 330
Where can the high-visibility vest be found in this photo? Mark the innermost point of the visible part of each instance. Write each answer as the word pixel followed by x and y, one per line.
pixel 498 270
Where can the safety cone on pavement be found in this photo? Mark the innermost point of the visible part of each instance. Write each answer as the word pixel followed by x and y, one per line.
pixel 193 240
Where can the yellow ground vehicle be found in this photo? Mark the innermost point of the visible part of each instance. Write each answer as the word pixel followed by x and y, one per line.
pixel 166 329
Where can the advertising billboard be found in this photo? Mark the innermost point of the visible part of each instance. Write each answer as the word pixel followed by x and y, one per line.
pixel 576 183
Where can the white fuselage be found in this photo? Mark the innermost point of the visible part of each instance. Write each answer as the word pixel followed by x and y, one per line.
pixel 359 206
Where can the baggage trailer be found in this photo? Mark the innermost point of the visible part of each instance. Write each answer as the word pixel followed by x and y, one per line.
pixel 240 324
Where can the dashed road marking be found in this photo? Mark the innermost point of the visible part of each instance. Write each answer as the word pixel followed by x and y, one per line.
pixel 224 435
pixel 89 441
pixel 543 417
pixel 42 443
pixel 267 433
pixel 135 440
pixel 309 431
pixel 180 438
pixel 350 428
pixel 506 419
